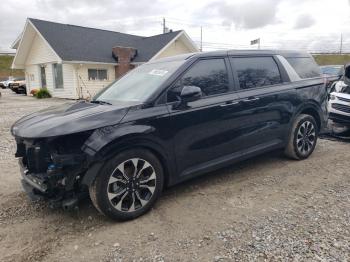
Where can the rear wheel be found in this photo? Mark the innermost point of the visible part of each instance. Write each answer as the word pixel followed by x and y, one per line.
pixel 303 137
pixel 128 185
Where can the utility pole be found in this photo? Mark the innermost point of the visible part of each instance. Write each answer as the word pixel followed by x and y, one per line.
pixel 164 28
pixel 201 48
pixel 341 43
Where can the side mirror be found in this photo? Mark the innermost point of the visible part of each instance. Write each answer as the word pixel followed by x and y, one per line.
pixel 190 93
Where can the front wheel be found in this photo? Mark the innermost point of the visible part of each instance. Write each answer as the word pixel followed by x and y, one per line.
pixel 303 137
pixel 128 185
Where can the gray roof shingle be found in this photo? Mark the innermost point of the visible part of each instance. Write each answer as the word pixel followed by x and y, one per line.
pixel 77 43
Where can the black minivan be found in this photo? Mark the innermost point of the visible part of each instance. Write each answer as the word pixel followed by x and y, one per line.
pixel 170 120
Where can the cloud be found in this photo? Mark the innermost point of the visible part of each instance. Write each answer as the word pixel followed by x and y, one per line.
pixel 304 21
pixel 246 14
pixel 107 14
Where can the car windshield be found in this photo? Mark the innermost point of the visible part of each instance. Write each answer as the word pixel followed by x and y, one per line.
pixel 139 84
pixel 331 70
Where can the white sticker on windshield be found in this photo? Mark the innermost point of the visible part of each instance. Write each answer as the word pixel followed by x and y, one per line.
pixel 158 72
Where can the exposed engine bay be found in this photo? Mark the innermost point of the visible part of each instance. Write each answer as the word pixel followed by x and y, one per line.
pixel 53 168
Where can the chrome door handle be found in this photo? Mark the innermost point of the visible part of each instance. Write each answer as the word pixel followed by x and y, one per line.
pixel 231 103
pixel 251 99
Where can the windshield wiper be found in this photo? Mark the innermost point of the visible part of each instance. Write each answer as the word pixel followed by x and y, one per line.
pixel 101 102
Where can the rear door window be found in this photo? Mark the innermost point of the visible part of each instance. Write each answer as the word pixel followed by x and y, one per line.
pixel 304 66
pixel 256 72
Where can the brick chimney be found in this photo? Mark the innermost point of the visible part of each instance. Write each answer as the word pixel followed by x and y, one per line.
pixel 124 56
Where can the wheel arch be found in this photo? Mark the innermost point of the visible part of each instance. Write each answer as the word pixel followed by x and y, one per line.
pixel 127 142
pixel 313 110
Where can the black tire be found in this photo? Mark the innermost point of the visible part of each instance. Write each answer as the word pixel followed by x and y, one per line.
pixel 119 206
pixel 300 146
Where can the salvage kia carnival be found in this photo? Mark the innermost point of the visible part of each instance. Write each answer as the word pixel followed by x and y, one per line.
pixel 168 121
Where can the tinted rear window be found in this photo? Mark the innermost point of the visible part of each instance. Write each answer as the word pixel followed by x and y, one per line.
pixel 256 71
pixel 304 66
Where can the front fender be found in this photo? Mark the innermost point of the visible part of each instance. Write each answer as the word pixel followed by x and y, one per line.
pixel 106 142
pixel 104 136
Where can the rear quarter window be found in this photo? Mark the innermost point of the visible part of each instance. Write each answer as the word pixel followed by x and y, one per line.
pixel 255 72
pixel 304 66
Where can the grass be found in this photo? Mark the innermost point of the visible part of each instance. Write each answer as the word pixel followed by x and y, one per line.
pixel 42 93
pixel 332 59
pixel 5 68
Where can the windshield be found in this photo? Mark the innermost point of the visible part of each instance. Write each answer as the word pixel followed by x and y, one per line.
pixel 140 83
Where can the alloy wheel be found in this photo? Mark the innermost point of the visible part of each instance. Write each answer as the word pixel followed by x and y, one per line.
pixel 306 137
pixel 131 185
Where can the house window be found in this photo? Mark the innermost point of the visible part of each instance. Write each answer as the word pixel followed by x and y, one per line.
pixel 97 74
pixel 43 76
pixel 58 75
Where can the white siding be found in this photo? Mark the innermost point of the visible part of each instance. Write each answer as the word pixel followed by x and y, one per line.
pixel 176 48
pixel 40 52
pixel 68 90
pixel 32 77
pixel 49 78
pixel 90 87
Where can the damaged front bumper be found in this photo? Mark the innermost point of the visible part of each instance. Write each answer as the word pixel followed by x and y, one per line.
pixel 51 176
pixel 31 185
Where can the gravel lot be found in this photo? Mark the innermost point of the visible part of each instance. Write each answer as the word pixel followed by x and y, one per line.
pixel 267 209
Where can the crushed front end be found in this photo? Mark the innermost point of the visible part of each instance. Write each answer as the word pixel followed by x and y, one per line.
pixel 52 168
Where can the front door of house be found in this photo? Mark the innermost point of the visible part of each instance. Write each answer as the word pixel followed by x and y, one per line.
pixel 43 76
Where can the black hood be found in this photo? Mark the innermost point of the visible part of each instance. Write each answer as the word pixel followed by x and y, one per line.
pixel 69 118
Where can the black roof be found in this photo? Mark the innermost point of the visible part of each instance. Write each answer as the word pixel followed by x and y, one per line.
pixel 237 52
pixel 77 43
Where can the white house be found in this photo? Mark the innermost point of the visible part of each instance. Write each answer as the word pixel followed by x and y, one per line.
pixel 75 62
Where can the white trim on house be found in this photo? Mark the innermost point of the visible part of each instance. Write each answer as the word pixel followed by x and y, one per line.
pixel 20 42
pixel 17 41
pixel 60 59
pixel 22 66
pixel 98 63
pixel 182 33
pixel 87 62
pixel 192 43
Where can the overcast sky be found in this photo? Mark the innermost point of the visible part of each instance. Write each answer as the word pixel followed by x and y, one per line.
pixel 315 25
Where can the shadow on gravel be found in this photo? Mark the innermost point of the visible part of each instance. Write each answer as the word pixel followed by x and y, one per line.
pixel 18 207
pixel 224 175
pixel 345 137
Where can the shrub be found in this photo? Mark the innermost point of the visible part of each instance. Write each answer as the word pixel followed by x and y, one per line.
pixel 43 93
pixel 33 92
